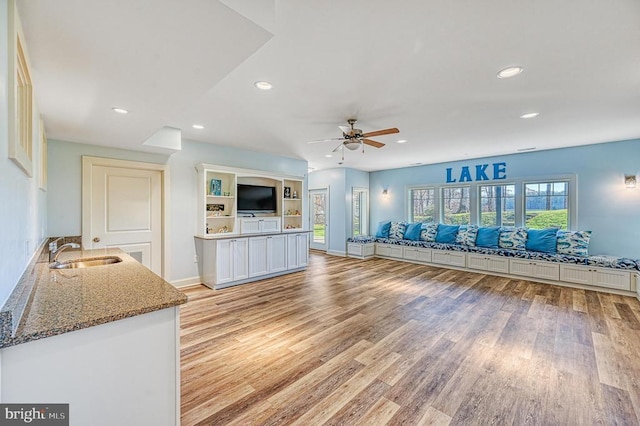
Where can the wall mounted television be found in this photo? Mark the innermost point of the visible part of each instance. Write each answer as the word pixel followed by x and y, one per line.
pixel 256 199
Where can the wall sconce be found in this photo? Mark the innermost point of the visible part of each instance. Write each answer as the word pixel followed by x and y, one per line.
pixel 630 181
pixel 385 192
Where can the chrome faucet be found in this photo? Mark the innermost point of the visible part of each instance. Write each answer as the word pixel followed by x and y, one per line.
pixel 53 254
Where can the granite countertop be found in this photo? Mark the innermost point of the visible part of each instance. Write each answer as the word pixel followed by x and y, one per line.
pixel 224 235
pixel 64 300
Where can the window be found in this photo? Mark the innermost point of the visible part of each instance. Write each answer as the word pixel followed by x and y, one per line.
pixel 360 207
pixel 422 208
pixel 497 205
pixel 547 204
pixel 456 205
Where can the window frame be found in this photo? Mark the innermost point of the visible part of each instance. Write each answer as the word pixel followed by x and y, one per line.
pixel 364 210
pixel 519 194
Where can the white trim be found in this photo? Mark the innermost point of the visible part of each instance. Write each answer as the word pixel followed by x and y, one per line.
pixel 337 253
pixel 186 282
pixel 327 218
pixel 88 162
pixel 247 172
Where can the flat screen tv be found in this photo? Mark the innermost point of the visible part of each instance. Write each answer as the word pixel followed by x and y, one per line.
pixel 256 199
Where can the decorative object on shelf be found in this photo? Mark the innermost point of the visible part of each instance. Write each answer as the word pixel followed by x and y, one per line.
pixel 226 194
pixel 215 207
pixel 215 187
pixel 297 213
pixel 223 230
pixel 295 194
pixel 287 213
pixel 287 192
pixel 630 181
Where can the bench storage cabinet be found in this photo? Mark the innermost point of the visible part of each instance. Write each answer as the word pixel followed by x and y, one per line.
pixel 389 250
pixel 361 250
pixel 417 254
pixel 535 269
pixel 446 257
pixel 485 262
pixel 601 277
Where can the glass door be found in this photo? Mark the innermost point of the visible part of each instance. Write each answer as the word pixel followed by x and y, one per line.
pixel 319 203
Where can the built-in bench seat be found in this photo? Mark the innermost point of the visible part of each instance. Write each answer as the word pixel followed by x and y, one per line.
pixel 590 270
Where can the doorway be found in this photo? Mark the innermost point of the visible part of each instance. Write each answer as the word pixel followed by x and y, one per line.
pixel 319 204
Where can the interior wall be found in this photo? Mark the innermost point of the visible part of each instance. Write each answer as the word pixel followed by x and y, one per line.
pixel 335 181
pixel 23 208
pixel 65 195
pixel 605 205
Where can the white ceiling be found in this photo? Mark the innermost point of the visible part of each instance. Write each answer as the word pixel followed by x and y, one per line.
pixel 426 67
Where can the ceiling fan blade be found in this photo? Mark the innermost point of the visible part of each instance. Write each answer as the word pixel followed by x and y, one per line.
pixel 373 143
pixel 326 140
pixel 338 147
pixel 345 129
pixel 382 132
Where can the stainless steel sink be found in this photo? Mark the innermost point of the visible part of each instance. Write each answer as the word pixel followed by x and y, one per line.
pixel 87 262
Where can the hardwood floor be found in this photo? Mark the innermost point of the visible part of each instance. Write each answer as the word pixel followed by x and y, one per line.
pixel 384 342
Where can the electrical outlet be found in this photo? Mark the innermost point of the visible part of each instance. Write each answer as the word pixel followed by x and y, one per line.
pixel 195 258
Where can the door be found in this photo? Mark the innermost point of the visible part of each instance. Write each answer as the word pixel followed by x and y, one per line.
pixel 276 249
pixel 319 204
pixel 122 207
pixel 258 258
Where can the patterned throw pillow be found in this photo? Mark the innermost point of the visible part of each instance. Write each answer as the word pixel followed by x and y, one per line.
pixel 575 243
pixel 428 232
pixel 397 230
pixel 513 238
pixel 467 235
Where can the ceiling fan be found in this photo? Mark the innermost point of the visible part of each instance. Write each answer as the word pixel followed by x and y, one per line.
pixel 353 138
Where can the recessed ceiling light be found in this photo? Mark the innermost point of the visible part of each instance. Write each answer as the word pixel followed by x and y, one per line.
pixel 402 141
pixel 263 85
pixel 198 126
pixel 527 149
pixel 310 169
pixel 120 110
pixel 510 72
pixel 328 155
pixel 530 115
pixel 415 164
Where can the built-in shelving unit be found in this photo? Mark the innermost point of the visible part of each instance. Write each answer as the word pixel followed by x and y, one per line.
pixel 219 207
pixel 292 205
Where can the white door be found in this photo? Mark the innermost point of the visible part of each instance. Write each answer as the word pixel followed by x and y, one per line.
pixel 319 204
pixel 240 252
pixel 258 258
pixel 303 250
pixel 276 248
pixel 122 207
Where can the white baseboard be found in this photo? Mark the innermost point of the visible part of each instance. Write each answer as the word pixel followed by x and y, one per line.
pixel 337 253
pixel 185 282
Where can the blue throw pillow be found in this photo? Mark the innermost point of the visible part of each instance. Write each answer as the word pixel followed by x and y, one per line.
pixel 383 229
pixel 488 236
pixel 413 231
pixel 543 240
pixel 447 233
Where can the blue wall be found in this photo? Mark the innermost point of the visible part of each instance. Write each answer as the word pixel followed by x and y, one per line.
pixel 605 205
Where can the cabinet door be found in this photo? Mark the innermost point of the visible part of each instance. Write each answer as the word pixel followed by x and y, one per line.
pixel 575 274
pixel 382 249
pixel 276 251
pixel 498 264
pixel 612 279
pixel 292 251
pixel 439 256
pixel 303 250
pixel 258 258
pixel 224 261
pixel 271 224
pixel 240 258
pixel 410 253
pixel 424 255
pixel 549 271
pixel 521 267
pixel 457 259
pixel 477 261
pixel 249 226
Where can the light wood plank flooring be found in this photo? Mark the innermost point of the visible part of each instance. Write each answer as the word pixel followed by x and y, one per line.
pixel 351 342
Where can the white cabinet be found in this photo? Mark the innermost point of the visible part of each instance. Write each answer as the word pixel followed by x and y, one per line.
pixel 256 225
pixel 360 250
pixel 601 277
pixel 417 254
pixel 485 262
pixel 292 212
pixel 297 250
pixel 224 260
pixel 267 255
pixel 216 201
pixel 389 250
pixel 535 269
pixel 452 258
